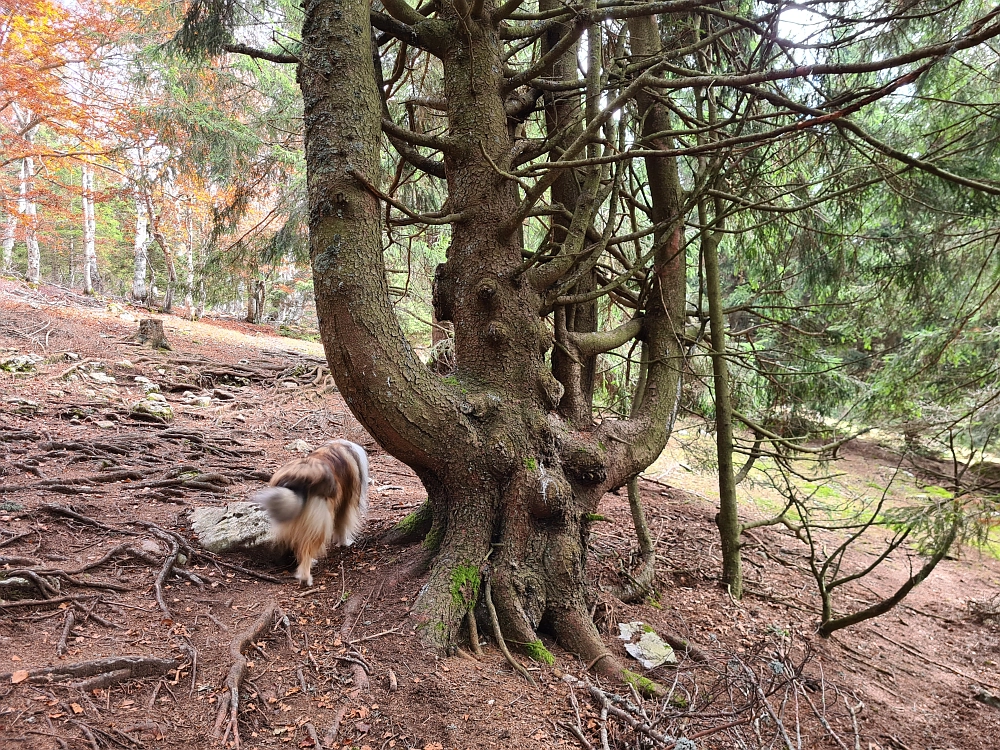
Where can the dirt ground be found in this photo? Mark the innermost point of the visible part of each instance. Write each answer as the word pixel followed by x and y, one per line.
pixel 94 509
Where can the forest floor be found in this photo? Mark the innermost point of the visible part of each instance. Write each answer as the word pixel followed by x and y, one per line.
pixel 94 510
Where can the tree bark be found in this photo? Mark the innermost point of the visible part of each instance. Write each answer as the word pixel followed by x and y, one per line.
pixel 9 237
pixel 140 252
pixel 30 212
pixel 89 231
pixel 512 482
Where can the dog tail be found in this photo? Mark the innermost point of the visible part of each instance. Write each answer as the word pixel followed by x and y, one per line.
pixel 281 503
pixel 362 461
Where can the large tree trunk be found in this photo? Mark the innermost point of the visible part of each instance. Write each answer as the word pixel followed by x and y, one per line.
pixel 512 483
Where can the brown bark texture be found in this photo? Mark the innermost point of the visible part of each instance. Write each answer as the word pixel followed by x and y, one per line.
pixel 513 460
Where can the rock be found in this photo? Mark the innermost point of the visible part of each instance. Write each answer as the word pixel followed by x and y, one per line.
pixel 105 424
pixel 20 363
pixel 151 409
pixel 649 649
pixel 151 546
pixel 147 385
pixel 55 394
pixel 237 526
pixel 128 318
pixel 100 378
pixel 299 446
pixel 23 405
pixel 125 365
pixel 15 582
pixel 289 384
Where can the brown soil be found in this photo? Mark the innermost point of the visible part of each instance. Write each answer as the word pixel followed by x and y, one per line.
pixel 904 681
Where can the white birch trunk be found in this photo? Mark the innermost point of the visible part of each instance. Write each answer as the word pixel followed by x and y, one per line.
pixel 140 251
pixel 9 235
pixel 30 212
pixel 89 231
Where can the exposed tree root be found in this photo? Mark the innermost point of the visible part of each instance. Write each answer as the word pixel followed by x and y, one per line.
pixel 359 669
pixel 230 704
pixel 67 629
pixel 112 669
pixel 518 667
pixel 331 733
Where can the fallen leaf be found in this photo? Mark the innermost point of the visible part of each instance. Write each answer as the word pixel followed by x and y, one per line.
pixel 15 658
pixel 77 708
pixel 19 676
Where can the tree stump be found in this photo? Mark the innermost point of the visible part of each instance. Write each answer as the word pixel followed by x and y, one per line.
pixel 151 332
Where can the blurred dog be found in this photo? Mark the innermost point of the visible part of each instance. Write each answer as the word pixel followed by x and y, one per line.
pixel 317 499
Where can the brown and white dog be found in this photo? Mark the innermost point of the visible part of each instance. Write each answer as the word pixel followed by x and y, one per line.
pixel 317 499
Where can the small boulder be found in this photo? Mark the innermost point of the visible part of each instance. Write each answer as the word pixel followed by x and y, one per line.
pixel 153 408
pixel 299 446
pixel 20 363
pixel 237 526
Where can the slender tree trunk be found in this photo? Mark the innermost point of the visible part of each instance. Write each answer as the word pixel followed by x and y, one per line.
pixel 140 252
pixel 89 231
pixel 727 519
pixel 30 213
pixel 189 286
pixel 9 237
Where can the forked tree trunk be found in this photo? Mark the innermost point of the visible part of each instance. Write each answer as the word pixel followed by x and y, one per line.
pixel 512 483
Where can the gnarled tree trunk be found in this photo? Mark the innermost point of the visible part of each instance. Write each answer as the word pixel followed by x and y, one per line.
pixel 512 481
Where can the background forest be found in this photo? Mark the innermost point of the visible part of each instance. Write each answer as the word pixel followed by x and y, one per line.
pixel 850 265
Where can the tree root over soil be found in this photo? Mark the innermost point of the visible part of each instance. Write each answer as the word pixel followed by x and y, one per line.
pixel 101 673
pixel 230 704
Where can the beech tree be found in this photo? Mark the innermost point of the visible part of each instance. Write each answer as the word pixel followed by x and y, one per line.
pixel 588 152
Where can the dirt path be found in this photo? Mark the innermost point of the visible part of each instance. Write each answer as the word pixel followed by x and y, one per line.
pixel 94 512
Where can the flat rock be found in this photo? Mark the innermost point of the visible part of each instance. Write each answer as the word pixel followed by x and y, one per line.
pixel 236 526
pixel 153 408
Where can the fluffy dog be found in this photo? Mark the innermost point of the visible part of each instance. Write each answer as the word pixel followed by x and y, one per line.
pixel 318 499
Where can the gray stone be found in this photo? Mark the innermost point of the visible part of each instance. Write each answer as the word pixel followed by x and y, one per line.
pixel 152 408
pixel 20 363
pixel 236 526
pixel 299 446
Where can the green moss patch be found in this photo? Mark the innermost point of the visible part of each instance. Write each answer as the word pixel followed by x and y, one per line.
pixel 539 653
pixel 464 587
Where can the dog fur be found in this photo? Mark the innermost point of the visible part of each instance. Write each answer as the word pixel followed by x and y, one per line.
pixel 317 499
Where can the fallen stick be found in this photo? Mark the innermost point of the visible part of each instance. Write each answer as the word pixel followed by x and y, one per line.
pixel 237 673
